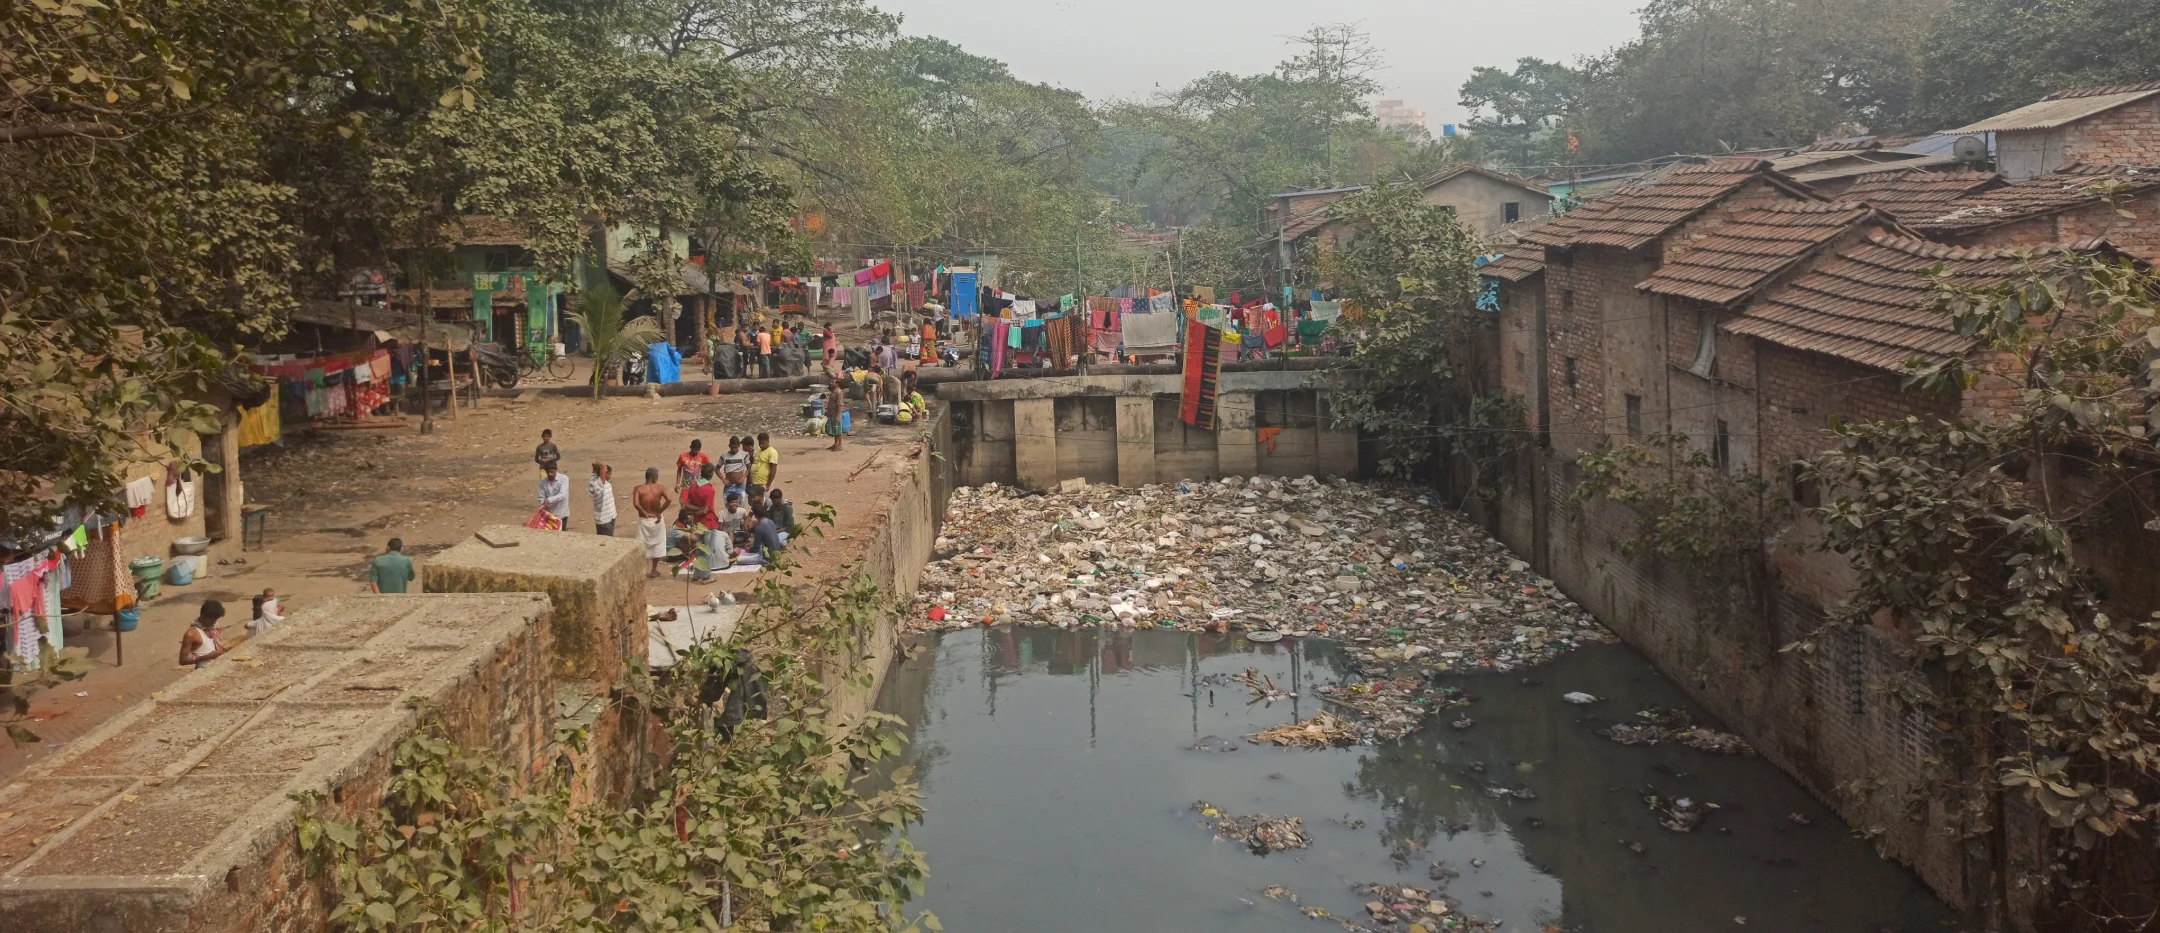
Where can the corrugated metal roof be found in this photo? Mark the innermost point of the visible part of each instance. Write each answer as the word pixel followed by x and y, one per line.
pixel 1871 166
pixel 1732 260
pixel 1873 303
pixel 1522 263
pixel 2066 188
pixel 2062 109
pixel 1636 216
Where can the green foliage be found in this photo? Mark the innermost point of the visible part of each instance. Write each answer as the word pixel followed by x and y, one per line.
pixel 773 822
pixel 1525 115
pixel 1688 508
pixel 1408 270
pixel 611 340
pixel 1990 56
pixel 1967 537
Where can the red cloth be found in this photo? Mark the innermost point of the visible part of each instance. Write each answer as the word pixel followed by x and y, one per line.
pixel 1274 336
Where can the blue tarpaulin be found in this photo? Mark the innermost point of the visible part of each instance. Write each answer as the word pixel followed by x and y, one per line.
pixel 663 364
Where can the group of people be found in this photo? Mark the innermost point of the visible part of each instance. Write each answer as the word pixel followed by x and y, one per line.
pixel 731 507
pixel 757 347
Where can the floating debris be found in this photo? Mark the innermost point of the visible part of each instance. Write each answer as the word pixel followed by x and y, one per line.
pixel 1320 731
pixel 1681 814
pixel 1262 686
pixel 1659 725
pixel 1260 832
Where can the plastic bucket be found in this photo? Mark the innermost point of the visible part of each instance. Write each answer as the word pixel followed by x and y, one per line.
pixel 181 574
pixel 146 571
pixel 125 619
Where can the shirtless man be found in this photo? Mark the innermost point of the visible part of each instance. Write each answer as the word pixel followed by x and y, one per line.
pixel 652 500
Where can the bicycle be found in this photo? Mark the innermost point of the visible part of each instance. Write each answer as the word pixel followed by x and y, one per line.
pixel 543 358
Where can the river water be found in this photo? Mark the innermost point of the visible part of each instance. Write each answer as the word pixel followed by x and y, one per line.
pixel 1058 770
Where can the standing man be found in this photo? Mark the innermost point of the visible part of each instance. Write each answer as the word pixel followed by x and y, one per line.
pixel 392 571
pixel 555 495
pixel 601 486
pixel 764 349
pixel 889 387
pixel 651 502
pixel 735 464
pixel 874 388
pixel 745 348
pixel 688 466
pixel 765 466
pixel 546 455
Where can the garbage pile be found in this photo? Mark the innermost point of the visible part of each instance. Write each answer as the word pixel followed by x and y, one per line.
pixel 1260 832
pixel 1659 725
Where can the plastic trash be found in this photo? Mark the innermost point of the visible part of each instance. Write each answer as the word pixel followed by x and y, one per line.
pixel 1580 698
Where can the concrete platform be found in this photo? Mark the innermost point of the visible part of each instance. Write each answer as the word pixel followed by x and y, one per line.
pixel 178 815
pixel 596 586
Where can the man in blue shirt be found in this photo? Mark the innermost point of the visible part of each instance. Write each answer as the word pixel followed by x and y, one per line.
pixel 765 537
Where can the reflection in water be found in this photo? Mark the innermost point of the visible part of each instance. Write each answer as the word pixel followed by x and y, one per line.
pixel 1057 767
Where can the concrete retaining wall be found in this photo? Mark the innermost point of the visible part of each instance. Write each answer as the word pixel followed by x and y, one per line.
pixel 596 585
pixel 179 814
pixel 1125 429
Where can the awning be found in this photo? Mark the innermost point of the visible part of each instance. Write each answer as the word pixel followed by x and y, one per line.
pixel 441 335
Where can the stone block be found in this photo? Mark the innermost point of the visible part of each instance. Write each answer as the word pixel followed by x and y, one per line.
pixel 595 585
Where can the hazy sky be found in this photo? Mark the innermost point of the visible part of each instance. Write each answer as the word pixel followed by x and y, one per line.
pixel 1124 48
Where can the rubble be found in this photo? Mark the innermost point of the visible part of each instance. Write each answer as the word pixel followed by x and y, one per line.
pixel 1318 732
pixel 1260 832
pixel 1661 725
pixel 1406 588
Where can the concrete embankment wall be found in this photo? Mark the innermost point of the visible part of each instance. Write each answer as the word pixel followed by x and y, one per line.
pixel 1126 429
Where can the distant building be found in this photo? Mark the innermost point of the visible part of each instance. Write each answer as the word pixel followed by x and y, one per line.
pixel 1486 202
pixel 1394 113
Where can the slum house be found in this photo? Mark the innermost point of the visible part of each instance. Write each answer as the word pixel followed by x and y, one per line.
pixel 2119 203
pixel 1816 309
pixel 73 574
pixel 2113 125
pixel 1917 194
pixel 1484 201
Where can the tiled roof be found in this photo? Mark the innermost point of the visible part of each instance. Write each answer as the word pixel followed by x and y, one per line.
pixel 2063 108
pixel 1909 194
pixel 1637 216
pixel 1872 163
pixel 486 230
pixel 1873 303
pixel 2066 188
pixel 1748 251
pixel 1504 178
pixel 1522 262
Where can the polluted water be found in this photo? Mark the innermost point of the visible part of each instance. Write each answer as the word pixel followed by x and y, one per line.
pixel 1099 778
pixel 1407 589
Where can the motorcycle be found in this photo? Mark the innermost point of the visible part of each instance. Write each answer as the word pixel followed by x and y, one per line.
pixel 498 366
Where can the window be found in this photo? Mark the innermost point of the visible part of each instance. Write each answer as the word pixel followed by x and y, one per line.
pixel 1567 300
pixel 1634 416
pixel 1512 210
pixel 1805 492
pixel 1569 368
pixel 1721 449
pixel 1522 364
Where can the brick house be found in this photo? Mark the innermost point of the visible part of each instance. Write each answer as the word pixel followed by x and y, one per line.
pixel 2117 124
pixel 1732 305
pixel 1485 201
pixel 2074 203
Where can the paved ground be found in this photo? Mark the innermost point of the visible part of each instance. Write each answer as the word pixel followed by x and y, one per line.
pixel 336 497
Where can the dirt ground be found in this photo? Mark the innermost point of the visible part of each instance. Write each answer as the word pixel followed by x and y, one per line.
pixel 337 497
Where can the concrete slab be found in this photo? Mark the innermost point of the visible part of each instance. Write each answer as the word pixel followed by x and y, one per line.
pixel 596 586
pixel 692 624
pixel 178 815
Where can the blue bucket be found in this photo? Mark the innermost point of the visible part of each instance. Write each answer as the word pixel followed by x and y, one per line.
pixel 181 573
pixel 125 619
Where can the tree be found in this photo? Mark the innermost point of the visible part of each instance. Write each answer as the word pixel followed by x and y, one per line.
pixel 1409 272
pixel 1986 57
pixel 1725 75
pixel 1973 540
pixel 1524 114
pixel 144 237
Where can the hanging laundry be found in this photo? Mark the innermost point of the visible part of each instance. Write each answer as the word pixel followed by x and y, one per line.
pixel 1012 336
pixel 1151 333
pixel 1325 311
pixel 1023 310
pixel 179 493
pixel 1309 332
pixel 1202 376
pixel 260 425
pixel 999 334
pixel 138 493
pixel 1162 304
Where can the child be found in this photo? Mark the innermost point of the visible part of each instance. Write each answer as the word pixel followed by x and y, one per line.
pixel 260 622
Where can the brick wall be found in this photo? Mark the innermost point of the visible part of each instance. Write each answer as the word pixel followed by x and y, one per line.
pixel 2126 135
pixel 2138 234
